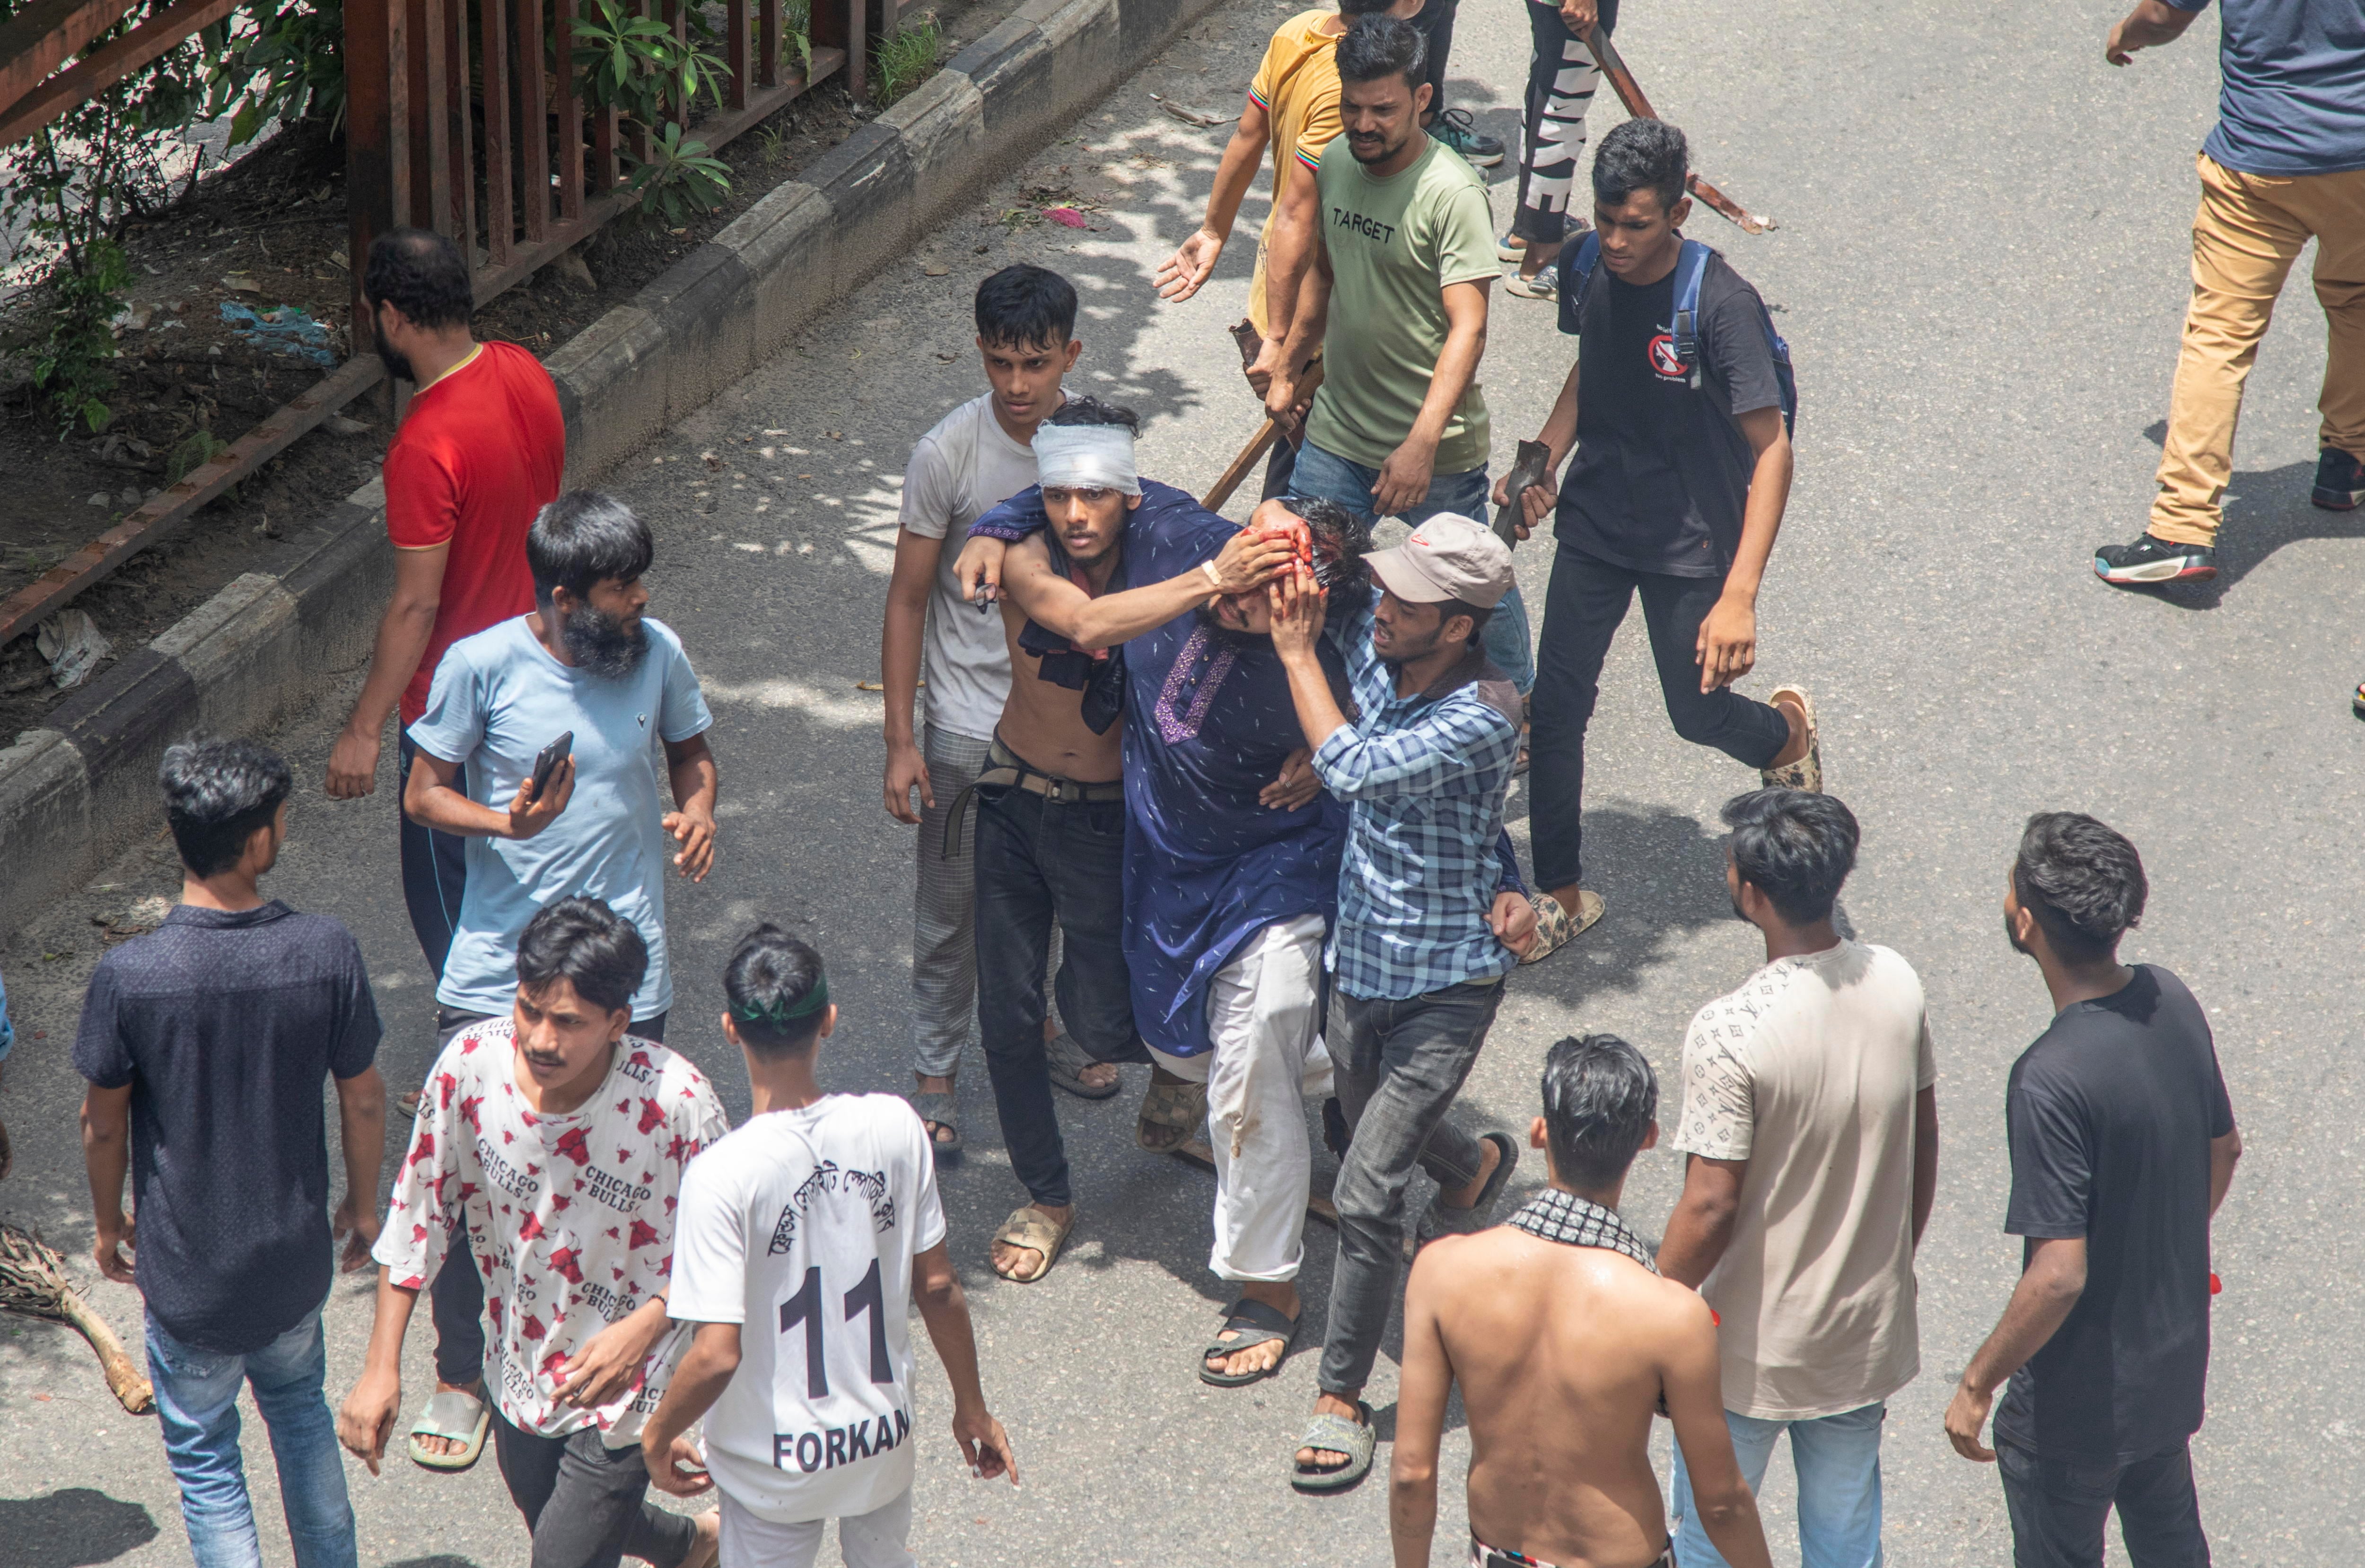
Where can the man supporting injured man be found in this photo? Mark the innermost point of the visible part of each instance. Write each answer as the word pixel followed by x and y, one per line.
pixel 1051 825
pixel 1232 860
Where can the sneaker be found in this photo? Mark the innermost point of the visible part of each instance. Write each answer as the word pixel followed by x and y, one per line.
pixel 2151 559
pixel 2339 480
pixel 2357 701
pixel 1455 129
pixel 1545 285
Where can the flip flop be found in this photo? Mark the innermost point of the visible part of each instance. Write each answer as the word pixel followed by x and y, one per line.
pixel 1068 1060
pixel 1256 1323
pixel 940 1111
pixel 1171 1116
pixel 459 1415
pixel 1442 1220
pixel 1030 1227
pixel 1807 773
pixel 1336 1434
pixel 1557 925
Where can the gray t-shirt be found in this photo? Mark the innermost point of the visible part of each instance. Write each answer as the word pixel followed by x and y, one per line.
pixel 963 468
pixel 498 699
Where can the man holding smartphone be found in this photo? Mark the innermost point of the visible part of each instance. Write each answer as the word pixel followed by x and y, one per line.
pixel 590 666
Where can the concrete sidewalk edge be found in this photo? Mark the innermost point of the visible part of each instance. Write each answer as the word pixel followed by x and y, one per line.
pixel 79 788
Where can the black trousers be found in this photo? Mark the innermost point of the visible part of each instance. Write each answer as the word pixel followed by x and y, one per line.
pixel 456 1299
pixel 1436 24
pixel 1038 859
pixel 586 1503
pixel 1562 78
pixel 1587 599
pixel 2058 1509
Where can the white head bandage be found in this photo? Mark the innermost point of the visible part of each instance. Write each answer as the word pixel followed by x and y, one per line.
pixel 1086 457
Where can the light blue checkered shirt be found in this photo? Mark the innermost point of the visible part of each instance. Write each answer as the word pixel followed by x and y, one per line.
pixel 1425 776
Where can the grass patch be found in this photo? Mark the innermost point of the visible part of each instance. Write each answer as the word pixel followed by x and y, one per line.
pixel 903 61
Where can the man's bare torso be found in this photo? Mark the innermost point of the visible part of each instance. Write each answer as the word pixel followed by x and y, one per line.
pixel 1043 722
pixel 1558 1351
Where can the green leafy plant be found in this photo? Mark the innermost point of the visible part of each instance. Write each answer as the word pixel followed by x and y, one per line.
pixel 73 369
pixel 191 452
pixel 901 61
pixel 678 180
pixel 796 35
pixel 637 65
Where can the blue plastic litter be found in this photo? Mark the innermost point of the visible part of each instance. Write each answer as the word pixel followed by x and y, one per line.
pixel 286 330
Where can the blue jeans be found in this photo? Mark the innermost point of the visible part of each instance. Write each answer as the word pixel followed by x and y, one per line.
pixel 1332 478
pixel 197 1404
pixel 1838 1461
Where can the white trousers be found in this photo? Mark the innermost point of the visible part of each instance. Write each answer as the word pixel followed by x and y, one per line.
pixel 1265 1032
pixel 875 1539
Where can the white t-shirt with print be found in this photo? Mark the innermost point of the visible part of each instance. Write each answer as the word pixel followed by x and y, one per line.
pixel 1809 1072
pixel 959 471
pixel 801 1226
pixel 571 1218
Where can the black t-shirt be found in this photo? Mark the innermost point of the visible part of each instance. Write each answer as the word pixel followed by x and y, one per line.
pixel 224 1026
pixel 2110 1114
pixel 1661 473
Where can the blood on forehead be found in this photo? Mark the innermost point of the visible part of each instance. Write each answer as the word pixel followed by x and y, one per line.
pixel 1320 555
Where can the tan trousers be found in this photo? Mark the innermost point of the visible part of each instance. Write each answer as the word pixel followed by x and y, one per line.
pixel 2249 230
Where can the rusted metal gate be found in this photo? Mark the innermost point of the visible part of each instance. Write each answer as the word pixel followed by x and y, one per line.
pixel 479 132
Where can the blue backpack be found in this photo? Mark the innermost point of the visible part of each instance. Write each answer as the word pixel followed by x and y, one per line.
pixel 1576 277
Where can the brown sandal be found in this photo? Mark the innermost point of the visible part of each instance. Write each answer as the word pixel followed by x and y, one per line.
pixel 1171 1116
pixel 1030 1228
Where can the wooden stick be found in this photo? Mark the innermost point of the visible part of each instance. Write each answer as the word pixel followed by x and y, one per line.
pixel 1266 433
pixel 33 1281
pixel 1629 93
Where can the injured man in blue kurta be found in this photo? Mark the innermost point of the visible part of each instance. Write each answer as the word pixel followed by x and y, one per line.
pixel 1231 870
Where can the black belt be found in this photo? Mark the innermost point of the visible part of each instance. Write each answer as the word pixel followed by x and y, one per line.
pixel 1005 770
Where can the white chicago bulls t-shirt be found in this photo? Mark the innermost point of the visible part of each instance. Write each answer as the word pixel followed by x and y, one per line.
pixel 571 1218
pixel 800 1227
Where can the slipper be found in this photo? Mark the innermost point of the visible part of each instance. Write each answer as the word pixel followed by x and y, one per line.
pixel 1807 773
pixel 1256 1323
pixel 1069 1059
pixel 1030 1227
pixel 1171 1116
pixel 1440 1220
pixel 454 1414
pixel 1545 284
pixel 1556 926
pixel 1336 1434
pixel 942 1113
pixel 408 1103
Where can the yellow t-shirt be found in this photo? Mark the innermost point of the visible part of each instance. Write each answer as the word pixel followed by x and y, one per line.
pixel 1298 86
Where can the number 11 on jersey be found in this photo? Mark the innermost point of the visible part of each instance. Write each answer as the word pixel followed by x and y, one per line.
pixel 863 1299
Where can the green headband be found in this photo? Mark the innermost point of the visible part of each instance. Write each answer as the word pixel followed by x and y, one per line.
pixel 774 1016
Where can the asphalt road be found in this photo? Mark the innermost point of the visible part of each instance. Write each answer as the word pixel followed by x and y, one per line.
pixel 1981 268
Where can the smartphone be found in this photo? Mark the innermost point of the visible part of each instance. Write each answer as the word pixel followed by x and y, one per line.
pixel 551 755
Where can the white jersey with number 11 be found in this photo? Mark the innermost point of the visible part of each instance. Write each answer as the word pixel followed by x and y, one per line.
pixel 801 1226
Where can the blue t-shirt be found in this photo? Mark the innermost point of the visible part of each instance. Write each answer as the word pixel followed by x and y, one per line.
pixel 498 699
pixel 2293 100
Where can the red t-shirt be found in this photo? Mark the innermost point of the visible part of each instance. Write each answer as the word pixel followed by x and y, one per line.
pixel 479 453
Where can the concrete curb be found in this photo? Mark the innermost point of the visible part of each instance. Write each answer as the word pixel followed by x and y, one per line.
pixel 75 792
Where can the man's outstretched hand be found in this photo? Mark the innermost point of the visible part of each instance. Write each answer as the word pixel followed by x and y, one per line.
pixel 694 831
pixel 1177 277
pixel 1297 784
pixel 1251 559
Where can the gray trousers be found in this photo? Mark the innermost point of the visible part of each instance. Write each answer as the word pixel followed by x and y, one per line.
pixel 944 909
pixel 1398 1066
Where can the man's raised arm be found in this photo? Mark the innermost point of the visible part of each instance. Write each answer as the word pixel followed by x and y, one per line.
pixel 1054 603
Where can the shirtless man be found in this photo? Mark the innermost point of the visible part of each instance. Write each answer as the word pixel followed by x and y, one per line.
pixel 1566 1342
pixel 1050 819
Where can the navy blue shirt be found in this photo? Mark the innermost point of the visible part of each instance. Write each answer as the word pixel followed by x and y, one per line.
pixel 2293 99
pixel 224 1026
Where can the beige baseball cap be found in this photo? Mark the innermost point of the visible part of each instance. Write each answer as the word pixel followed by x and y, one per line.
pixel 1447 557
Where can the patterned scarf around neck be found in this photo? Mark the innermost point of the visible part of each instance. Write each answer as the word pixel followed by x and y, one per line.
pixel 1554 1216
